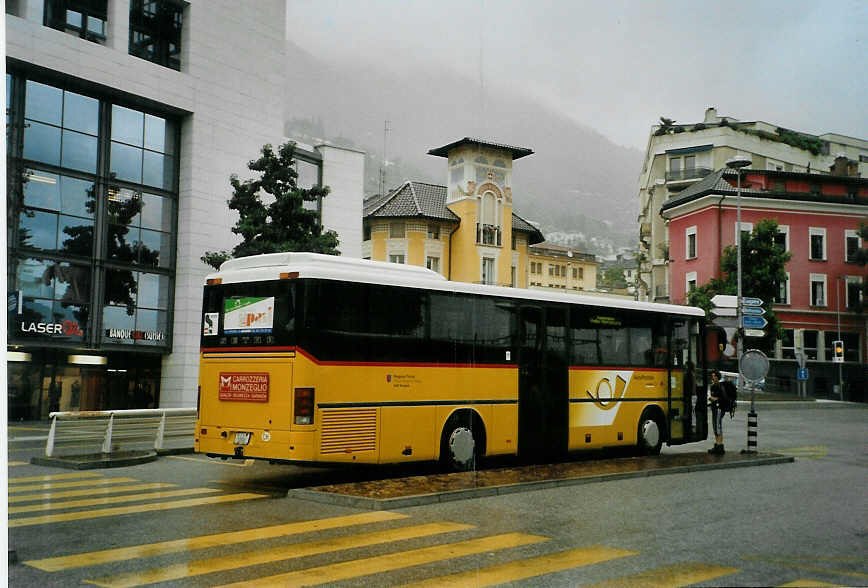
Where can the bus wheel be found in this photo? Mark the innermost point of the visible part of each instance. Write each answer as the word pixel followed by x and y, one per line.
pixel 650 436
pixel 460 444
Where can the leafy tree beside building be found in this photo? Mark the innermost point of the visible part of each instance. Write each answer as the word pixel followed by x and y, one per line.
pixel 763 271
pixel 272 216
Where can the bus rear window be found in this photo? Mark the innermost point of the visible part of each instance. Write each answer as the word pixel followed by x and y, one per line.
pixel 252 314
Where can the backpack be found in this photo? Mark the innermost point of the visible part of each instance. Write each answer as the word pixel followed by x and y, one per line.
pixel 730 393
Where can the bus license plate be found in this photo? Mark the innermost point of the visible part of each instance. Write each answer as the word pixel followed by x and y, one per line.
pixel 242 438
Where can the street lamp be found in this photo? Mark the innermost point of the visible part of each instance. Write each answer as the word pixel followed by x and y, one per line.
pixel 736 163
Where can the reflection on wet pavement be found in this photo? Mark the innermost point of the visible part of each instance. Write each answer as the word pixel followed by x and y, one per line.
pixel 544 473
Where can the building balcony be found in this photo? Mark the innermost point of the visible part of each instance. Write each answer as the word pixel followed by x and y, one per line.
pixel 686 175
pixel 488 235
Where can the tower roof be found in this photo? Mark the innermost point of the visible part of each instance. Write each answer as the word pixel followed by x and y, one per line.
pixel 516 152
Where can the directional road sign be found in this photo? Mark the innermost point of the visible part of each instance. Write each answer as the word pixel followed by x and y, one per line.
pixel 753 322
pixel 748 301
pixel 753 311
pixel 725 321
pixel 725 301
pixel 802 374
pixel 754 333
pixel 754 365
pixel 725 311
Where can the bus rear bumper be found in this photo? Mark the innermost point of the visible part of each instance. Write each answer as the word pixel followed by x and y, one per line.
pixel 250 443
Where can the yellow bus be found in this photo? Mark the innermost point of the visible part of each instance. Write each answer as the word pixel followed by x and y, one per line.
pixel 309 358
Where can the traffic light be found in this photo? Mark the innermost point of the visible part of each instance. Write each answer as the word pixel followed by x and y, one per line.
pixel 838 348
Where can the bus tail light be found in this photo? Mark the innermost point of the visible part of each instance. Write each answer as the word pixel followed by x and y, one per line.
pixel 213 281
pixel 288 275
pixel 303 406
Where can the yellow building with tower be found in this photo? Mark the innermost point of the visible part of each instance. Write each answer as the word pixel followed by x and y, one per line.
pixel 467 230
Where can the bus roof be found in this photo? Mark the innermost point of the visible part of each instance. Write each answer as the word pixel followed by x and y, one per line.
pixel 270 266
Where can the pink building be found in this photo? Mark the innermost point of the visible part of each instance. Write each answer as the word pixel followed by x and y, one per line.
pixel 818 217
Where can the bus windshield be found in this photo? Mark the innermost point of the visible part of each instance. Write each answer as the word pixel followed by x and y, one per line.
pixel 250 315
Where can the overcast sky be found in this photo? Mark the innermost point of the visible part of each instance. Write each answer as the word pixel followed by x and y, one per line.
pixel 617 66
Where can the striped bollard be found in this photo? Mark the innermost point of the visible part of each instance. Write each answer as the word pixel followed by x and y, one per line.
pixel 751 432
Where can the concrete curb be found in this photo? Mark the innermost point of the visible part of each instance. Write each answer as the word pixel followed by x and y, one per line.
pixel 464 494
pixel 762 405
pixel 95 462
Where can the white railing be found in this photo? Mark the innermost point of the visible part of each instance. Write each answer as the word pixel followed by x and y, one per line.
pixel 110 431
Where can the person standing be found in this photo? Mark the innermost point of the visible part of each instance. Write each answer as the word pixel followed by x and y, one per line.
pixel 718 399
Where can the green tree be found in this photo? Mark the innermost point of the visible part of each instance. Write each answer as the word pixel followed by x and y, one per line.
pixel 613 278
pixel 763 270
pixel 282 224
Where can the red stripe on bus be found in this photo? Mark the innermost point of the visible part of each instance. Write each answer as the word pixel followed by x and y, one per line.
pixel 356 363
pixel 603 368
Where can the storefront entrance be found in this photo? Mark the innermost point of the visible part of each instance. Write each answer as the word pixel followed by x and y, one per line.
pixel 48 383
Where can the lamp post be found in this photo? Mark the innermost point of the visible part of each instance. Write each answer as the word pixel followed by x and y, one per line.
pixel 736 163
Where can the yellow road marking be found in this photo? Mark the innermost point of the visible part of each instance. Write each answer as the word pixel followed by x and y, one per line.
pixel 393 561
pixel 28 429
pixel 78 484
pixel 808 452
pixel 18 463
pixel 525 568
pixel 247 462
pixel 670 576
pixel 88 492
pixel 52 477
pixel 806 583
pixel 57 505
pixel 285 552
pixel 54 564
pixel 812 568
pixel 122 510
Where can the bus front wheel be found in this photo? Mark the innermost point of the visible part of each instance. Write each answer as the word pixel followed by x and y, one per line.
pixel 650 434
pixel 461 443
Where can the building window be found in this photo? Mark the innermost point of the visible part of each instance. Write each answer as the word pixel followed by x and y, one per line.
pixel 575 273
pixel 690 236
pixel 852 245
pixel 783 296
pixel 818 243
pixel 690 284
pixel 809 339
pixel 155 31
pixel 122 282
pixel 581 273
pixel 433 264
pixel 366 232
pixel 488 270
pixel 396 230
pixel 83 18
pixel 746 229
pixel 782 238
pixel 434 231
pixel 818 290
pixel 513 277
pixel 788 347
pixel 396 258
pixel 854 293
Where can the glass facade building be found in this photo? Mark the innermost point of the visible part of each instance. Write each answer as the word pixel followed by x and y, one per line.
pixel 92 201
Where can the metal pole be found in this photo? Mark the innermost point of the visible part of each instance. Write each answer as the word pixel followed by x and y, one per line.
pixel 840 365
pixel 739 328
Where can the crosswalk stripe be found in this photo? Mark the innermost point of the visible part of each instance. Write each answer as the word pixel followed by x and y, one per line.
pixel 62 504
pixel 54 564
pixel 284 552
pixel 806 583
pixel 52 477
pixel 672 576
pixel 525 568
pixel 88 492
pixel 393 561
pixel 77 484
pixel 122 510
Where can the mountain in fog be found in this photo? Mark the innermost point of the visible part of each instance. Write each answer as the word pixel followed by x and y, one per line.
pixel 577 182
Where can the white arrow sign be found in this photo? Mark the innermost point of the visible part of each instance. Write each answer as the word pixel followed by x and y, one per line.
pixel 724 311
pixel 725 301
pixel 754 333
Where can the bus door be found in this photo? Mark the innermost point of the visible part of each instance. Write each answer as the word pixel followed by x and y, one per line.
pixel 687 418
pixel 543 394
